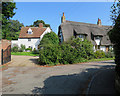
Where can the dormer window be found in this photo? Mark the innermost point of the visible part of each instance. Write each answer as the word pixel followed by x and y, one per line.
pixel 98 40
pixel 29 31
pixel 82 36
pixel 97 37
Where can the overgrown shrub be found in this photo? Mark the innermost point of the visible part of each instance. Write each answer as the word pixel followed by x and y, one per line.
pixel 99 54
pixel 14 49
pixel 66 53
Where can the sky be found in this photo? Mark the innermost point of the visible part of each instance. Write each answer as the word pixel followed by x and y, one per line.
pixel 51 12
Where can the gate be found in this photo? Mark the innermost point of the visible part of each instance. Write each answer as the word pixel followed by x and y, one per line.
pixel 6 55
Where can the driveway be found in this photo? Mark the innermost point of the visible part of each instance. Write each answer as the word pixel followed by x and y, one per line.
pixel 23 76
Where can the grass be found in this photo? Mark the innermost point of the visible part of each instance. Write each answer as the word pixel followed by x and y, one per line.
pixel 101 59
pixel 24 53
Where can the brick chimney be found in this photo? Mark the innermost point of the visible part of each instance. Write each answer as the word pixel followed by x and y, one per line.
pixel 63 18
pixel 99 22
pixel 41 25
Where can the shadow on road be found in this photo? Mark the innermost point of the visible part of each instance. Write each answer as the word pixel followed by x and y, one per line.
pixel 35 61
pixel 69 84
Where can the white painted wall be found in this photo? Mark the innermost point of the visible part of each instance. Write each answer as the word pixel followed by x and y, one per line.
pixel 94 48
pixel 103 48
pixel 48 30
pixel 14 42
pixel 34 41
pixel 97 41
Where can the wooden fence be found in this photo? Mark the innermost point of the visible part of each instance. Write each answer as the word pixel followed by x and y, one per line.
pixel 6 55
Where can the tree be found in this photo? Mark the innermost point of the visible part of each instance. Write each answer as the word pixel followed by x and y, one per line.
pixel 7 13
pixel 37 22
pixel 11 30
pixel 49 38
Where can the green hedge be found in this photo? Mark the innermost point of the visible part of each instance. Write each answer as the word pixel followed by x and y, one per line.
pixel 66 53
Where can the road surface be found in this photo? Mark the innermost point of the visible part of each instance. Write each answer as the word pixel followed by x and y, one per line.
pixel 23 76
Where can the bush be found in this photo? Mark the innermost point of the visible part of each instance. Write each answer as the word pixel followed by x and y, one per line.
pixel 66 53
pixel 35 51
pixel 28 49
pixel 109 54
pixel 48 39
pixel 99 54
pixel 14 49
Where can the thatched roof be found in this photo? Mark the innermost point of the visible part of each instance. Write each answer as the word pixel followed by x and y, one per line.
pixel 69 27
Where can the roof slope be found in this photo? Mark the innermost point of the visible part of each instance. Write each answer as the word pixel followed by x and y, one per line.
pixel 37 32
pixel 69 27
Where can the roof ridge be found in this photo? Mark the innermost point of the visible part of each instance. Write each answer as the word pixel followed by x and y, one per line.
pixel 87 23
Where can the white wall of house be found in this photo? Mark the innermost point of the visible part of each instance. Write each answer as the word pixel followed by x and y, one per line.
pixel 97 41
pixel 103 48
pixel 48 30
pixel 34 42
pixel 14 42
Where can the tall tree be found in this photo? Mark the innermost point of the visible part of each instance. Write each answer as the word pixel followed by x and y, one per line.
pixel 7 13
pixel 12 30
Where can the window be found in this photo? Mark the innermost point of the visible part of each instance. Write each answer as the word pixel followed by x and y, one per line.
pixel 82 37
pixel 29 31
pixel 30 47
pixel 29 39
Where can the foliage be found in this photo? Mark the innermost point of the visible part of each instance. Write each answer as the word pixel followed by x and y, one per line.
pixel 84 48
pixel 49 38
pixel 66 53
pixel 22 48
pixel 99 54
pixel 10 28
pixel 37 22
pixel 14 49
pixel 8 11
pixel 109 54
pixel 28 49
pixel 114 34
pixel 35 51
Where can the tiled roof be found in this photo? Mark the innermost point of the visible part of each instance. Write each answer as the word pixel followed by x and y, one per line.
pixel 36 32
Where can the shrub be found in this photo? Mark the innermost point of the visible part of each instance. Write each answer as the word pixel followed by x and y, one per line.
pixel 66 53
pixel 49 55
pixel 84 48
pixel 22 47
pixel 49 38
pixel 14 49
pixel 99 54
pixel 109 54
pixel 28 49
pixel 35 51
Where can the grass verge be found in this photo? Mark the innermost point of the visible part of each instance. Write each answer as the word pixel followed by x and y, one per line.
pixel 101 59
pixel 24 53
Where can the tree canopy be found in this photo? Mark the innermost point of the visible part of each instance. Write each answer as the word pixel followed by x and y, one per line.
pixel 49 38
pixel 37 22
pixel 10 28
pixel 114 34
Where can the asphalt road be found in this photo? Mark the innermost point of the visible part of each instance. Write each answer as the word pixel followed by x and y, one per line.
pixel 24 77
pixel 103 82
